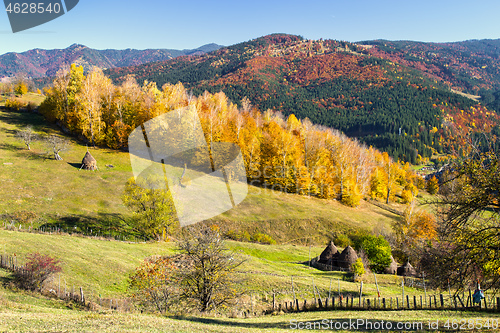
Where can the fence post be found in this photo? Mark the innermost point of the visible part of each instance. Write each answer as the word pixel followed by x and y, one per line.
pixel 403 292
pixel 274 301
pixel 460 300
pixel 414 301
pixel 320 301
pixel 360 292
pixel 441 299
pixel 314 291
pixel 407 302
pixel 383 302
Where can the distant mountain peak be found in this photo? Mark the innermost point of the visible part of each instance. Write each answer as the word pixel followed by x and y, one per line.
pixel 39 63
pixel 76 46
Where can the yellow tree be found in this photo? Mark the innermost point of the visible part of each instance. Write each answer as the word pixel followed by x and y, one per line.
pixel 249 139
pixel 391 170
pixel 432 185
pixel 414 226
pixel 341 148
pixel 378 184
pixel 91 99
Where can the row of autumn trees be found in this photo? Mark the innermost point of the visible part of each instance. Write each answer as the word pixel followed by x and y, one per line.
pixel 282 154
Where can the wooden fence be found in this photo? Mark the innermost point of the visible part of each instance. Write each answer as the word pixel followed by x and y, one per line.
pixel 413 302
pixel 269 304
pixel 78 295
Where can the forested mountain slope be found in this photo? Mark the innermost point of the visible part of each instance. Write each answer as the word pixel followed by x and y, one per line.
pixel 370 90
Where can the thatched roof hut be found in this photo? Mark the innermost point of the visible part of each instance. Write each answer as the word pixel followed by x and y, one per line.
pixel 392 268
pixel 329 254
pixel 347 257
pixel 407 270
pixel 89 162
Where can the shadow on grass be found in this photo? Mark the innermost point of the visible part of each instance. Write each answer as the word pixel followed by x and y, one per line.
pixel 232 323
pixel 100 224
pixel 323 322
pixel 8 279
pixel 75 165
pixel 10 147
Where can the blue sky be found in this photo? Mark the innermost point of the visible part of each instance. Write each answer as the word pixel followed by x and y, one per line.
pixel 188 24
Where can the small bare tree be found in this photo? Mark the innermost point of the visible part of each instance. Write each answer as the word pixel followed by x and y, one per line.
pixel 56 145
pixel 27 135
pixel 210 281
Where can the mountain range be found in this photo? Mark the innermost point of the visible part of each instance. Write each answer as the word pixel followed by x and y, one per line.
pixel 38 63
pixel 411 99
pixel 407 98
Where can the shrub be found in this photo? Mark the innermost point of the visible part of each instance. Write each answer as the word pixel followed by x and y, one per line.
pixel 377 249
pixel 36 271
pixel 241 236
pixel 358 269
pixel 21 88
pixel 342 240
pixel 14 104
pixel 263 238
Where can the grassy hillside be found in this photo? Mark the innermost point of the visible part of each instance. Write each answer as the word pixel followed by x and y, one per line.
pixel 102 267
pixel 22 312
pixel 39 191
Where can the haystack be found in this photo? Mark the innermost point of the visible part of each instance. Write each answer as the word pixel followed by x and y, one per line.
pixel 329 254
pixel 347 258
pixel 407 270
pixel 89 162
pixel 392 268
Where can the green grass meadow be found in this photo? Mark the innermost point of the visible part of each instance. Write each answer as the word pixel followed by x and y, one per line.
pixel 38 191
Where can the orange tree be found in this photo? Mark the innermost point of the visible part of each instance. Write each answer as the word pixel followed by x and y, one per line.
pixel 152 284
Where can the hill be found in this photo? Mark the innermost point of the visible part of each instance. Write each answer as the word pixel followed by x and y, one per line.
pixel 468 66
pixel 38 63
pixel 41 192
pixel 369 91
pixel 102 267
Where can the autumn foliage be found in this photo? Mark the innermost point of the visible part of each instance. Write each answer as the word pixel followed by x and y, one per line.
pixel 37 270
pixel 152 284
pixel 284 154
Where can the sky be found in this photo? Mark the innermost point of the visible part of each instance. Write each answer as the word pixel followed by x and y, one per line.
pixel 113 24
